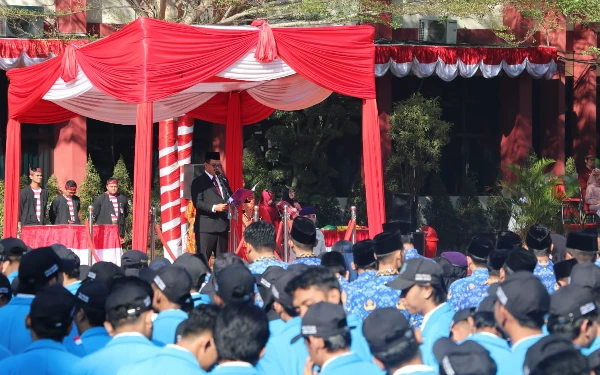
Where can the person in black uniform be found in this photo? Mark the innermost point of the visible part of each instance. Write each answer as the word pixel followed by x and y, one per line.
pixel 208 194
pixel 111 207
pixel 33 200
pixel 65 207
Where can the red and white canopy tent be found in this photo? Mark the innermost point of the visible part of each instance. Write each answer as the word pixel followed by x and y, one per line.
pixel 153 70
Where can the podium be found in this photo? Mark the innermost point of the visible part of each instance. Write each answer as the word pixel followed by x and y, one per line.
pixel 106 240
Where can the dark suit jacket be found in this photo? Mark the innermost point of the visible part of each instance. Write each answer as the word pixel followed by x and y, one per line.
pixel 103 209
pixel 59 210
pixel 205 196
pixel 27 207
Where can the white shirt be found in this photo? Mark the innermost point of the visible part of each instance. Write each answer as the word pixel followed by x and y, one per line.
pixel 333 359
pixel 412 368
pixel 235 364
pixel 428 315
pixel 129 334
pixel 214 178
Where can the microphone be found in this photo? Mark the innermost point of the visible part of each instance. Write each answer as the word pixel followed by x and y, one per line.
pixel 224 183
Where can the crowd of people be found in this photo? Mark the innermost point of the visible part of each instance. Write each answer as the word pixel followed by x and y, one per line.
pixel 374 307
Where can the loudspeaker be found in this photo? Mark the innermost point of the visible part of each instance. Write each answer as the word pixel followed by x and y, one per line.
pixel 419 242
pixel 190 172
pixel 404 209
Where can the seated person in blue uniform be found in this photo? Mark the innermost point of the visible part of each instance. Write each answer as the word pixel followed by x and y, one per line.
pixel 233 284
pixel 303 238
pixel 423 292
pixel 587 275
pixel 194 353
pixel 89 319
pixel 11 251
pixel 337 264
pixel 129 322
pixel 5 290
pixel 37 269
pixel 198 268
pixel 462 294
pixel 574 315
pixel 582 246
pixel 522 304
pixel 539 242
pixel 69 266
pixel 562 272
pixel 466 358
pixel 241 333
pixel 555 355
pixel 260 247
pixel 326 334
pixel 172 300
pixel 49 320
pixel 393 343
pixel 461 325
pixel 264 284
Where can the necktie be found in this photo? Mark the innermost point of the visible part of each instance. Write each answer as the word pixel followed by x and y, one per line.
pixel 214 180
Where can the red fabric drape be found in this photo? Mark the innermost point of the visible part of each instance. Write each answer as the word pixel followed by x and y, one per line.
pixel 142 176
pixel 373 167
pixel 11 175
pixel 216 109
pixel 234 142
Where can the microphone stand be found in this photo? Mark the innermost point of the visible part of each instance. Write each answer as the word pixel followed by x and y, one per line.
pixel 231 211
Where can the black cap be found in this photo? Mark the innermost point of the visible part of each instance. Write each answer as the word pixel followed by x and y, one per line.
pixel 522 294
pixel 92 295
pixel 53 307
pixel 480 247
pixel 235 283
pixel 487 304
pixel 147 274
pixel 38 265
pixel 304 231
pixel 571 302
pixel 129 296
pixel 563 269
pixel 497 258
pixel 84 269
pixel 175 283
pixel 266 280
pixel 5 289
pixel 520 260
pixel 69 261
pixel 134 258
pixel 462 315
pixel 582 242
pixel 387 327
pixel 538 238
pixel 105 271
pixel 466 358
pixel 363 253
pixel 547 347
pixel 333 259
pixel 508 240
pixel 324 320
pixel 388 242
pixel 211 155
pixel 195 267
pixel 587 275
pixel 160 262
pixel 12 247
pixel 418 271
pixel 278 288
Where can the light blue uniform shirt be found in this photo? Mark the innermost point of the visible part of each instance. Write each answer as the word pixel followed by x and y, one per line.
pixel 166 324
pixel 514 366
pixel 276 327
pixel 312 261
pixel 43 357
pixel 73 287
pixel 544 270
pixel 595 346
pixel 436 325
pixel 12 277
pixel 89 342
pixel 171 359
pixel 4 353
pixel 349 363
pixel 236 368
pixel 464 293
pixel 13 335
pixel 200 299
pixel 496 346
pixel 260 266
pixel 122 350
pixel 283 357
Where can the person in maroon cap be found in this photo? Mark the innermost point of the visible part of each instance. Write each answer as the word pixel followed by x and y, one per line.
pixel 65 207
pixel 111 207
pixel 33 199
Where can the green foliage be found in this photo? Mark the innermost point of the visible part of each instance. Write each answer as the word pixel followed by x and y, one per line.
pixel 440 214
pixel 155 202
pixel 418 137
pixel 125 187
pixel 255 168
pixel 472 219
pixel 328 210
pixel 570 179
pixel 357 197
pixel 23 181
pixel 90 188
pixel 53 192
pixel 497 213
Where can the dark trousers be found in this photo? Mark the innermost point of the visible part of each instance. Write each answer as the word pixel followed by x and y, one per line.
pixel 211 243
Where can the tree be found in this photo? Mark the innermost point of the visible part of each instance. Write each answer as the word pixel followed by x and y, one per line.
pixel 90 188
pixel 53 192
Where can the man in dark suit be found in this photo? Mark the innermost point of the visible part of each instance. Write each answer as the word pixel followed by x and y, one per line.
pixel 65 207
pixel 111 207
pixel 212 225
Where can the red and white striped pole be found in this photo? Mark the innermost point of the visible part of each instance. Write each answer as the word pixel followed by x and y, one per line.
pixel 185 137
pixel 169 187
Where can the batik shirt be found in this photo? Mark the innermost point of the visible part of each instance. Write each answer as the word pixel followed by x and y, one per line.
pixel 259 266
pixel 311 260
pixel 465 293
pixel 370 294
pixel 544 270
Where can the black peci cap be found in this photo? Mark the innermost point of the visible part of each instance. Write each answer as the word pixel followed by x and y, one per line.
pixel 235 283
pixel 582 242
pixel 38 265
pixel 211 155
pixel 175 283
pixel 586 275
pixel 548 347
pixel 520 260
pixel 363 253
pixel 388 242
pixel 304 231
pixel 129 296
pixel 508 240
pixel 418 271
pixel 53 307
pixel 466 358
pixel 105 272
pixel 323 320
pixel 563 269
pixel 497 258
pixel 92 295
pixel 388 327
pixel 522 294
pixel 480 247
pixel 538 238
pixel 571 302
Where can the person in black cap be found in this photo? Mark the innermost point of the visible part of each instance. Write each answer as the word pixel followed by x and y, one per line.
pixel 573 314
pixel 171 288
pixel 281 301
pixel 363 260
pixel 582 246
pixel 37 269
pixel 496 260
pixel 49 320
pixel 311 213
pixel 393 343
pixel 5 291
pixel 198 270
pixel 106 272
pixel 69 266
pixel 466 358
pixel 264 284
pixel 260 247
pixel 522 303
pixel 208 195
pixel 241 333
pixel 220 262
pixel 234 283
pixel 539 242
pixel 462 325
pixel 562 272
pixel 587 275
pixel 337 264
pixel 326 334
pixel 518 260
pixel 508 240
pixel 303 238
pixel 89 319
pixel 129 322
pixel 11 251
pixel 554 355
pixel 160 262
pixel 134 259
pixel 462 293
pixel 423 292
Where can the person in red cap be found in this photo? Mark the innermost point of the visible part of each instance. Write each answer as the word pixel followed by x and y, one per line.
pixel 33 200
pixel 111 207
pixel 584 175
pixel 65 207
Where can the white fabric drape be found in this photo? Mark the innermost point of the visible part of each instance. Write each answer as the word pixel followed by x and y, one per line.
pixel 247 68
pixel 290 94
pixel 22 61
